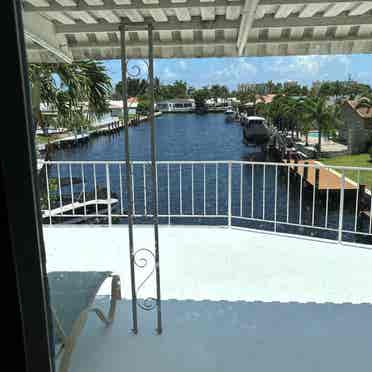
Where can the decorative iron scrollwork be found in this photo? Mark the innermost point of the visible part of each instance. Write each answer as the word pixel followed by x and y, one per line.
pixel 137 71
pixel 142 259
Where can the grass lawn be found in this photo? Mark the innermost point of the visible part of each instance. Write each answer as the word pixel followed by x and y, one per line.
pixel 41 139
pixel 358 160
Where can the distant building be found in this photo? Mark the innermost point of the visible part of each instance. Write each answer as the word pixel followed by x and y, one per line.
pixel 290 84
pixel 259 88
pixel 116 107
pixel 176 105
pixel 357 127
pixel 216 103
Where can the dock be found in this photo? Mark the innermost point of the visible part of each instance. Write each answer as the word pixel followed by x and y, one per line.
pixel 326 179
pixel 95 130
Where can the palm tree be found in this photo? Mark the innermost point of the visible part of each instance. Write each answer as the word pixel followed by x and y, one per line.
pixel 322 115
pixel 78 92
pixel 270 86
pixel 276 110
pixel 364 101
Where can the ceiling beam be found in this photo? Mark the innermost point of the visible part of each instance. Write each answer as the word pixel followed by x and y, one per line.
pixel 144 44
pixel 222 42
pixel 311 40
pixel 293 21
pixel 134 5
pixel 196 23
pixel 249 11
pixel 306 2
pixel 42 32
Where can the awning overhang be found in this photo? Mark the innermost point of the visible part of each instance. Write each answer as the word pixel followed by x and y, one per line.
pixel 67 30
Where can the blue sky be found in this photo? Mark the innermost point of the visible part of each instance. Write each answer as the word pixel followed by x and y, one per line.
pixel 199 72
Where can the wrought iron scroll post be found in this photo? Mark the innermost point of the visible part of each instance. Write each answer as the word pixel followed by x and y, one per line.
pixel 154 175
pixel 128 175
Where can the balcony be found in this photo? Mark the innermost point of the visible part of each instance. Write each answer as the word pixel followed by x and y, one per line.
pixel 231 298
pixel 262 264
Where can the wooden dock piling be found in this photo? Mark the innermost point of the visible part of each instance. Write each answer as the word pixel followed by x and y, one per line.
pixel 306 171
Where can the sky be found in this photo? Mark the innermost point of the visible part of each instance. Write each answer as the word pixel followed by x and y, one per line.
pixel 200 72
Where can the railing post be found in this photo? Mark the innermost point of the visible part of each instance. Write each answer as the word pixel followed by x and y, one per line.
pixel 341 212
pixel 276 197
pixel 108 190
pixel 48 193
pixel 154 175
pixel 229 193
pixel 124 94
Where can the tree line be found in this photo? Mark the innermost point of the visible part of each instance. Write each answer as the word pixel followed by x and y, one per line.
pixel 300 115
pixel 73 90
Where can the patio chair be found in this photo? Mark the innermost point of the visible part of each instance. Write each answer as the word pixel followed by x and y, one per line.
pixel 72 294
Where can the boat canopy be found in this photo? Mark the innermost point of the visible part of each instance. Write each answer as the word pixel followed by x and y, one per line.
pixel 256 118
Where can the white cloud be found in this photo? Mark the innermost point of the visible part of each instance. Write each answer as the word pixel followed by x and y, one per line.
pixel 233 72
pixel 309 65
pixel 168 75
pixel 308 68
pixel 182 65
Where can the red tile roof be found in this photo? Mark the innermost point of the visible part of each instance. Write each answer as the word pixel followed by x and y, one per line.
pixel 268 98
pixel 363 112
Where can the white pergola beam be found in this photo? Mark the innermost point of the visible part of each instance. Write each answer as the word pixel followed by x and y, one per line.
pixel 134 4
pixel 293 21
pixel 337 9
pixel 311 9
pixel 362 8
pixel 160 43
pixel 305 2
pixel 196 23
pixel 223 42
pixel 42 32
pixel 249 11
pixel 177 43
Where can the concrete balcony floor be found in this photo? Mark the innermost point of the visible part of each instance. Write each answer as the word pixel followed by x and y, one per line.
pixel 232 300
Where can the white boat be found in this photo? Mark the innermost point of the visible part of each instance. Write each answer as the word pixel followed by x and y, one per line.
pixel 230 114
pixel 255 130
pixel 229 111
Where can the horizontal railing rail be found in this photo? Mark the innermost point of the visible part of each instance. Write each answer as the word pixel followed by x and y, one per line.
pixel 303 198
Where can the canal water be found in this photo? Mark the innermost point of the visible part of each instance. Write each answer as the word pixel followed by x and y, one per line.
pixel 178 137
pixel 203 190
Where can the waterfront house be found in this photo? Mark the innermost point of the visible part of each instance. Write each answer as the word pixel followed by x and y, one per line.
pixel 116 106
pixel 221 104
pixel 357 129
pixel 176 105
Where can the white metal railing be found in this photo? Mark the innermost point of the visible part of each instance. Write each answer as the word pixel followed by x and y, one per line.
pixel 261 195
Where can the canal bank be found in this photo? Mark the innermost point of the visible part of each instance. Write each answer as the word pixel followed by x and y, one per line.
pixel 112 126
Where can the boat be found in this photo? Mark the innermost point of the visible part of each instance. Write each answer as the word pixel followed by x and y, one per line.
pixel 229 111
pixel 255 130
pixel 229 115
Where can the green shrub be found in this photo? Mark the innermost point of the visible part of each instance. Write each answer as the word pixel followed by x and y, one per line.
pixel 369 142
pixel 370 153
